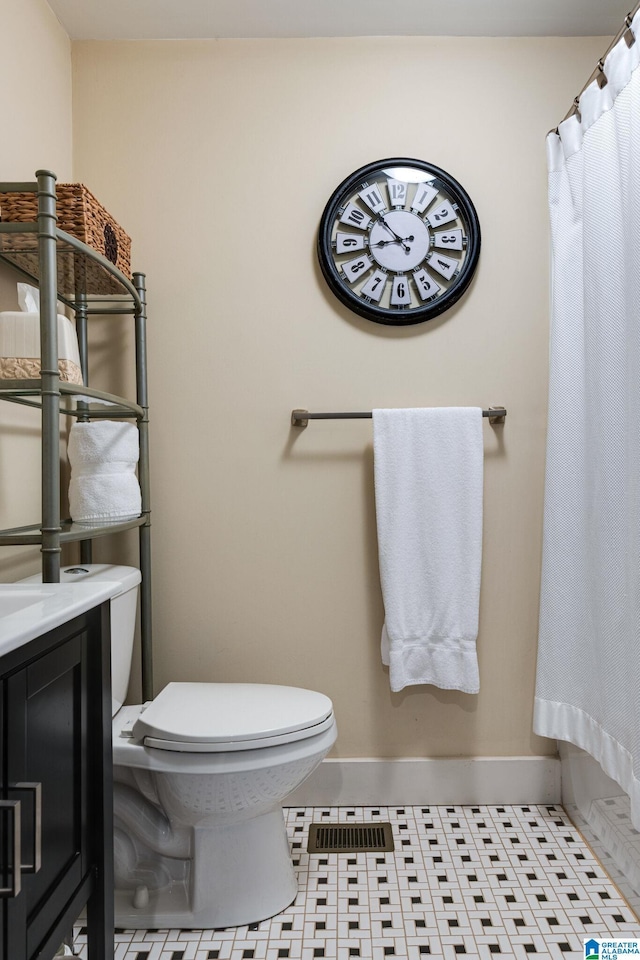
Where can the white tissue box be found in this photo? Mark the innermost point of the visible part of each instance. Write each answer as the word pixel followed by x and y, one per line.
pixel 20 347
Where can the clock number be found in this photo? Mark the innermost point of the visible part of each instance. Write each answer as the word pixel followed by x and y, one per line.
pixel 426 285
pixel 373 198
pixel 355 217
pixel 345 242
pixel 400 293
pixel 374 287
pixel 442 214
pixel 445 266
pixel 424 194
pixel 448 241
pixel 353 269
pixel 397 192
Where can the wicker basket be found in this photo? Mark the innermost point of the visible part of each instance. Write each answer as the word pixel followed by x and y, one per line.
pixel 81 215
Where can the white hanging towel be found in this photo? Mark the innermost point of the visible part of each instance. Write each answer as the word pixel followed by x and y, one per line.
pixel 428 467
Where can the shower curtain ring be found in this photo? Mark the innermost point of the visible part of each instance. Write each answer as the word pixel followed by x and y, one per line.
pixel 602 77
pixel 629 35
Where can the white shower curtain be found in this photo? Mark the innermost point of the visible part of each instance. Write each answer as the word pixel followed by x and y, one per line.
pixel 588 679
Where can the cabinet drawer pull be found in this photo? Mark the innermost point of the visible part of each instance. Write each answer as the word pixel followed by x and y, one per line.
pixel 12 808
pixel 36 789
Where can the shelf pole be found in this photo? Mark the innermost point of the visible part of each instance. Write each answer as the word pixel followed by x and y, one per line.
pixel 86 546
pixel 47 243
pixel 143 476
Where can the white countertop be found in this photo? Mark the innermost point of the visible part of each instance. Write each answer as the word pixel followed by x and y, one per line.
pixel 28 610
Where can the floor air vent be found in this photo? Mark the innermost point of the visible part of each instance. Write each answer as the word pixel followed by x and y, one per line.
pixel 354 838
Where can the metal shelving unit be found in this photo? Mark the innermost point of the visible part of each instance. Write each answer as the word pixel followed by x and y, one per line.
pixel 67 270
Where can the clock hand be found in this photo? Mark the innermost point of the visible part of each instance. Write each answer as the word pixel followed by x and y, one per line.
pixel 398 239
pixel 385 243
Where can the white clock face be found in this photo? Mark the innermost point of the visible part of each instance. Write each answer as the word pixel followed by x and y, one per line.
pixel 399 241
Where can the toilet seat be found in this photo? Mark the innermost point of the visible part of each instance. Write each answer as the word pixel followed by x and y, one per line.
pixel 224 717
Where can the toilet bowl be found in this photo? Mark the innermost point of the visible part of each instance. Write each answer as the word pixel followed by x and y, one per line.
pixel 201 773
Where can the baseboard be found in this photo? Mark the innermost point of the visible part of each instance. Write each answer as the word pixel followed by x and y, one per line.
pixel 414 781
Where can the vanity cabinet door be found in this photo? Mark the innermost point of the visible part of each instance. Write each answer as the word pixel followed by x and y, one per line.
pixel 46 717
pixel 51 728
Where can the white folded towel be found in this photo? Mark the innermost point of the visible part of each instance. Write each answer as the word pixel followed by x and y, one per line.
pixel 103 441
pixel 428 466
pixel 103 455
pixel 109 497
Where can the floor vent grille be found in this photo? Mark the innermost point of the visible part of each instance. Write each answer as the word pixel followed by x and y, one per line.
pixel 354 838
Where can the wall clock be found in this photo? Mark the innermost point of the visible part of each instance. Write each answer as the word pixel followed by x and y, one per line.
pixel 399 241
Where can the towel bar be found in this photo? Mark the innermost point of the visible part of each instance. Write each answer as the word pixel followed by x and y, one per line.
pixel 300 418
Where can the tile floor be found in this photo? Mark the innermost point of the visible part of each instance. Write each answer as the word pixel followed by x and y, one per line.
pixel 463 882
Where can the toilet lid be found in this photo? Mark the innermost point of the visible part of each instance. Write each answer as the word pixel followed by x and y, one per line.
pixel 213 717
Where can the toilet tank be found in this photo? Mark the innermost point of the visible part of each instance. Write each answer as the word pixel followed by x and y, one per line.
pixel 123 616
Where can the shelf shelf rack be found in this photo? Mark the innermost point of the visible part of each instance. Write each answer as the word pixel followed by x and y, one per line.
pixel 67 270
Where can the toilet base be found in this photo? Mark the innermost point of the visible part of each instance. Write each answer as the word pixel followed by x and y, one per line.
pixel 241 873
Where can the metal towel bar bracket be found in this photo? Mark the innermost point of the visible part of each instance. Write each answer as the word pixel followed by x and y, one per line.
pixel 300 418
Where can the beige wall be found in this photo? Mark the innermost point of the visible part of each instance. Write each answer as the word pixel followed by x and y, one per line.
pixel 35 100
pixel 35 94
pixel 218 158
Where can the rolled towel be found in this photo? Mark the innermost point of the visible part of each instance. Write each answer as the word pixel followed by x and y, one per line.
pixel 103 441
pixel 108 497
pixel 103 486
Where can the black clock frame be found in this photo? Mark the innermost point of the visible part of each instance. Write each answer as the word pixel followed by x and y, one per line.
pixel 371 311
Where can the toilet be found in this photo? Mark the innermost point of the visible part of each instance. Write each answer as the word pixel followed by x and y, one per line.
pixel 201 773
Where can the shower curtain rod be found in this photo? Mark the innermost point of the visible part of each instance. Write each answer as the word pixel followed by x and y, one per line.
pixel 300 418
pixel 598 72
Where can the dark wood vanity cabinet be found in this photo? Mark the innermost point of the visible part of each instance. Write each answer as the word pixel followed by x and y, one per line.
pixel 56 787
